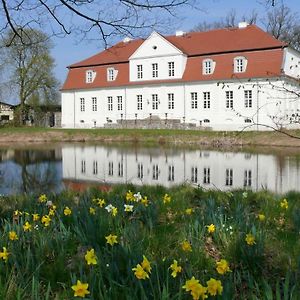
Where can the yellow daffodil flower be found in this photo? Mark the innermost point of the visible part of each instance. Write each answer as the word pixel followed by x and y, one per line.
pixel 189 211
pixel 111 239
pixel 146 264
pixel 186 246
pixel 197 290
pixel 67 211
pixel 13 236
pixel 129 196
pixel 222 266
pixel 166 199
pixel 284 204
pixel 214 287
pixel 27 227
pixel 175 268
pixel 91 257
pixel 128 208
pixel 261 217
pixel 4 254
pixel 92 211
pixel 211 228
pixel 46 220
pixel 42 198
pixel 80 289
pixel 145 201
pixel 139 272
pixel 250 239
pixel 35 217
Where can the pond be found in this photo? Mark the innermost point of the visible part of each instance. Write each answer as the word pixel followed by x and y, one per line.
pixel 48 168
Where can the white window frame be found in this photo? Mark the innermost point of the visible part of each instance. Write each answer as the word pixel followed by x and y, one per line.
pixel 194 174
pixel 82 104
pixel 120 102
pixel 248 98
pixel 139 101
pixel 111 74
pixel 206 175
pixel 155 70
pixel 94 104
pixel 110 103
pixel 139 69
pixel 206 100
pixel 155 101
pixel 171 103
pixel 171 66
pixel 229 99
pixel 208 66
pixel 240 64
pixel 229 177
pixel 89 76
pixel 194 100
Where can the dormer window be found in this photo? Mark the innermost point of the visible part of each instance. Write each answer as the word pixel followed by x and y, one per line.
pixel 240 64
pixel 90 76
pixel 208 66
pixel 111 74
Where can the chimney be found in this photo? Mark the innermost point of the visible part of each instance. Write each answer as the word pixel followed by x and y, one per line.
pixel 243 25
pixel 180 33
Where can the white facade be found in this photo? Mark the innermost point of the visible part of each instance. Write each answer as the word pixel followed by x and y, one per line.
pixel 155 89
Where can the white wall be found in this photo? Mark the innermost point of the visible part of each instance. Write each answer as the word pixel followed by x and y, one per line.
pixel 291 63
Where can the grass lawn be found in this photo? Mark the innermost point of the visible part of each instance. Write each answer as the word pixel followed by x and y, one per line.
pixel 150 243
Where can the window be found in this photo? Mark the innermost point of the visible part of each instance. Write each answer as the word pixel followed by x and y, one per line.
pixel 111 74
pixel 194 100
pixel 120 102
pixel 83 166
pixel 120 169
pixel 94 103
pixel 139 71
pixel 110 168
pixel 140 174
pixel 229 99
pixel 206 99
pixel 248 98
pixel 247 178
pixel 139 102
pixel 82 104
pixel 240 64
pixel 207 66
pixel 206 175
pixel 171 66
pixel 229 176
pixel 90 76
pixel 110 103
pixel 247 120
pixel 95 167
pixel 171 101
pixel 194 175
pixel 155 70
pixel 171 173
pixel 154 101
pixel 155 172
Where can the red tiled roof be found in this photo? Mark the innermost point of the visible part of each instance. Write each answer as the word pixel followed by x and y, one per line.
pixel 264 54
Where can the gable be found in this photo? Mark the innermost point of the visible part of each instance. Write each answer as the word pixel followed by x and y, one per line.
pixel 155 46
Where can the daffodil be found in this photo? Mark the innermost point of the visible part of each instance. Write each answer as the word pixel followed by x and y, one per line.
pixel 42 198
pixel 189 211
pixel 4 254
pixel 261 217
pixel 211 228
pixel 137 197
pixel 222 266
pixel 284 204
pixel 114 211
pixel 250 239
pixel 27 227
pixel 35 217
pixel 145 201
pixel 139 272
pixel 190 284
pixel 186 246
pixel 128 208
pixel 146 264
pixel 166 199
pixel 99 202
pixel 13 236
pixel 46 220
pixel 129 196
pixel 197 290
pixel 91 257
pixel 51 212
pixel 175 268
pixel 18 213
pixel 111 239
pixel 214 287
pixel 80 289
pixel 67 211
pixel 92 211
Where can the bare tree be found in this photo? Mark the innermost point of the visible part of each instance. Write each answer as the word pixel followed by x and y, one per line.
pixel 83 17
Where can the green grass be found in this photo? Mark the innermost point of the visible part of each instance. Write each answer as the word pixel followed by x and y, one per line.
pixel 45 262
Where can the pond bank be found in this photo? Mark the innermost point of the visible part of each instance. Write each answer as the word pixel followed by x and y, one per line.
pixel 154 137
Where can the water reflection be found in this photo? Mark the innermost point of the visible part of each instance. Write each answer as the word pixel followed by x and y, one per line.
pixel 168 167
pixel 78 166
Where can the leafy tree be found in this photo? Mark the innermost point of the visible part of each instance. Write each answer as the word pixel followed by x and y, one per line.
pixel 30 66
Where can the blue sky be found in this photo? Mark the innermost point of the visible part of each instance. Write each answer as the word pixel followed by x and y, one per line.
pixel 67 50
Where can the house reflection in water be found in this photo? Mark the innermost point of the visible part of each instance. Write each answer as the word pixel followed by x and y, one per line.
pixel 168 167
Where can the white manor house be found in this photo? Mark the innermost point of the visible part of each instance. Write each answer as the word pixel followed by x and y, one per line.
pixel 225 79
